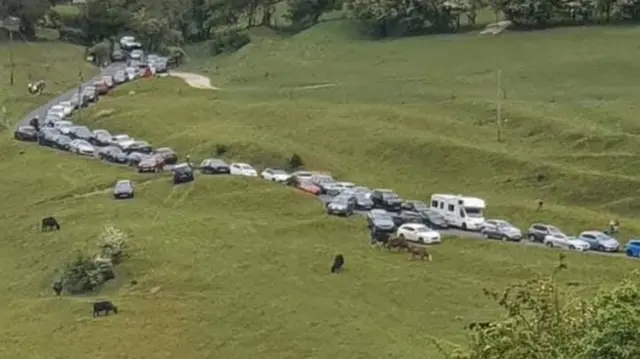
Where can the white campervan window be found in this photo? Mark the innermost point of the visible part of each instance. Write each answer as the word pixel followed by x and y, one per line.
pixel 451 208
pixel 434 204
pixel 474 212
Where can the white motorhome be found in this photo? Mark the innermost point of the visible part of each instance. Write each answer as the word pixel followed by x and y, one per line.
pixel 460 211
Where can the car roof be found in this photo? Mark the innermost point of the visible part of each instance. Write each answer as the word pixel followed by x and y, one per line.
pixel 595 233
pixel 241 164
pixel 123 182
pixel 414 225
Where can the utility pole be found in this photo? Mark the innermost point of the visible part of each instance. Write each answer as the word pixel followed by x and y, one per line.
pixel 80 100
pixel 499 105
pixel 12 64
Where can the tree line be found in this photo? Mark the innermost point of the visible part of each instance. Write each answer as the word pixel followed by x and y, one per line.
pixel 161 23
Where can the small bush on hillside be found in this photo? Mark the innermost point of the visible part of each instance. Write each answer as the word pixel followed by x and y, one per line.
pixel 87 273
pixel 112 244
pixel 295 162
pixel 228 41
pixel 101 51
pixel 221 149
pixel 74 36
pixel 175 54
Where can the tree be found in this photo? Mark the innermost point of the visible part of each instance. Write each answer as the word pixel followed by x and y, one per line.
pixel 103 19
pixel 29 12
pixel 542 321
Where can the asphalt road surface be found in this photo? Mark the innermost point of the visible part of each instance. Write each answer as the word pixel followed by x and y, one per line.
pixel 112 68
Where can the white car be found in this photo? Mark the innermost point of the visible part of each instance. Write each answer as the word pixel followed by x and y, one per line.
pixel 67 107
pixel 81 147
pixel 132 72
pixel 60 124
pixel 415 232
pixel 57 112
pixel 242 169
pixel 117 139
pixel 302 174
pixel 276 175
pixel 64 110
pixel 559 240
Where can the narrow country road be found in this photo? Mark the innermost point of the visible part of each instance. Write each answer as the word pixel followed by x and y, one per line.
pixel 203 82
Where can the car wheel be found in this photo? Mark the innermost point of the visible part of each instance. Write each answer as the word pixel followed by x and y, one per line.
pixel 464 226
pixel 572 247
pixel 549 244
pixel 630 253
pixel 485 235
pixel 532 238
pixel 504 238
pixel 600 248
pixel 402 236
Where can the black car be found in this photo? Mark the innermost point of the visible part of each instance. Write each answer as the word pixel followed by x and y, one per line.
pixel 47 136
pixel 403 217
pixel 363 202
pixel 113 154
pixel 168 155
pixel 26 133
pixel 416 206
pixel 386 199
pixel 434 219
pixel 101 138
pixel 182 173
pixel 323 181
pixel 81 133
pixel 214 166
pixel 62 142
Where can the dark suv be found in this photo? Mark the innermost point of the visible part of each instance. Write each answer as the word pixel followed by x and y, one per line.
pixel 538 231
pixel 386 199
pixel 182 173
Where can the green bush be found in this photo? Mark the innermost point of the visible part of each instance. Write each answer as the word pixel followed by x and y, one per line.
pixel 74 36
pixel 176 55
pixel 221 149
pixel 295 162
pixel 101 51
pixel 85 274
pixel 228 41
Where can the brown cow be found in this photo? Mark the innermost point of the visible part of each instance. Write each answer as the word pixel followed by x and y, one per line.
pixel 396 243
pixel 419 251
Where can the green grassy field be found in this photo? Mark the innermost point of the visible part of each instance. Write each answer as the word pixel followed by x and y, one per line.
pixel 238 268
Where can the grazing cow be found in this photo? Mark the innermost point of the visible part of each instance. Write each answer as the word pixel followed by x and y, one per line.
pixel 57 287
pixel 338 263
pixel 478 325
pixel 105 307
pixel 419 251
pixel 50 224
pixel 396 242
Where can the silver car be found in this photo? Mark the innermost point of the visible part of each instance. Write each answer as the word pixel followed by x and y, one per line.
pixel 123 189
pixel 380 220
pixel 503 230
pixel 340 206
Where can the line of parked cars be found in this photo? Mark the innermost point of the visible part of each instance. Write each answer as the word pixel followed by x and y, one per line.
pixel 386 212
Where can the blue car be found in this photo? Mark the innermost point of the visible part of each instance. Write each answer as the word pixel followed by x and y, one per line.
pixel 633 248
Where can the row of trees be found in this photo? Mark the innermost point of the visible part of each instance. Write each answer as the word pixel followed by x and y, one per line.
pixel 162 23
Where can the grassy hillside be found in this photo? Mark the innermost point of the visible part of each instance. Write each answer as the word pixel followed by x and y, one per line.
pixel 238 268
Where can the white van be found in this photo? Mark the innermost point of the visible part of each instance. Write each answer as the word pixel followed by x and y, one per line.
pixel 459 211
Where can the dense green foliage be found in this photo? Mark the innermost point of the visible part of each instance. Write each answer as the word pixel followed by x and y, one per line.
pixel 543 319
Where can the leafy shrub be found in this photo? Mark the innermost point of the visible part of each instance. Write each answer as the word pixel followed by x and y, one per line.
pixel 86 273
pixel 295 162
pixel 221 149
pixel 74 36
pixel 101 51
pixel 175 54
pixel 228 40
pixel 112 244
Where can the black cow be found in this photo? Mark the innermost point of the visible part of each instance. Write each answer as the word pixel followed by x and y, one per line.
pixel 50 224
pixel 57 287
pixel 105 307
pixel 479 325
pixel 338 263
pixel 35 123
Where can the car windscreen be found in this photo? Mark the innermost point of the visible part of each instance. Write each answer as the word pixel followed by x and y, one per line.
pixel 420 205
pixel 389 195
pixel 474 212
